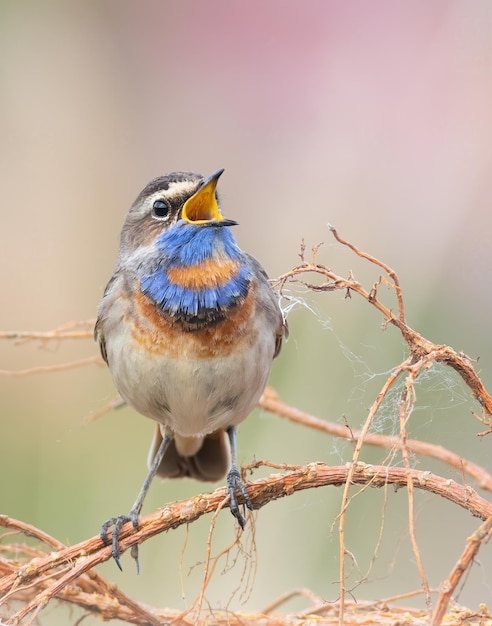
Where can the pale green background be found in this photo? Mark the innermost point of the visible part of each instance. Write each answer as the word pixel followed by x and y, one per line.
pixel 373 116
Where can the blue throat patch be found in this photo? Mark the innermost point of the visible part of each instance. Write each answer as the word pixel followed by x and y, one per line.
pixel 185 245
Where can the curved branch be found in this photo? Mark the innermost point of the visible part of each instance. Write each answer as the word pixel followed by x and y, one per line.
pixel 86 555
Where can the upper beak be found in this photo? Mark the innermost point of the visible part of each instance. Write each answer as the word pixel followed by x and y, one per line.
pixel 202 207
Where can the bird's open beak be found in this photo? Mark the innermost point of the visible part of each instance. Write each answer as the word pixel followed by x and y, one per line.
pixel 202 207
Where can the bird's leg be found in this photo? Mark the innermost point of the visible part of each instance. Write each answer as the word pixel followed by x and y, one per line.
pixel 118 522
pixel 234 482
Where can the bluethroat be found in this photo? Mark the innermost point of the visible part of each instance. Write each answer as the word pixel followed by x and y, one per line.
pixel 188 326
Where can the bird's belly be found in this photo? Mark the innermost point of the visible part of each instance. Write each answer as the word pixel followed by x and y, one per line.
pixel 190 391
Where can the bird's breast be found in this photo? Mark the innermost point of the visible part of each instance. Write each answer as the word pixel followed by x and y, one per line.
pixel 158 333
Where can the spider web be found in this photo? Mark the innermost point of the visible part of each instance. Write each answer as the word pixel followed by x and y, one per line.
pixel 438 389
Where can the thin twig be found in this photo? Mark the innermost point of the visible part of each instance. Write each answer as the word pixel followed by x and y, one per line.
pixel 407 402
pixel 391 273
pixel 352 469
pixel 73 330
pixel 49 369
pixel 480 536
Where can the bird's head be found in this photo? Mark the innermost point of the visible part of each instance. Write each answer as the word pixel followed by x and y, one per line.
pixel 179 203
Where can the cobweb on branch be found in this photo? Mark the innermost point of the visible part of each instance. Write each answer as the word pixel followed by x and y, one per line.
pixel 438 389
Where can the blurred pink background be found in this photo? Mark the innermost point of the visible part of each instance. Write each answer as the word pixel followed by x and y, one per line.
pixel 375 117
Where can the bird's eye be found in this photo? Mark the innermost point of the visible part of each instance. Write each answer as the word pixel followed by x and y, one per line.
pixel 160 209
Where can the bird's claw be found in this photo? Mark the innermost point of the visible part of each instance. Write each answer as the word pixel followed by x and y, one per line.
pixel 117 524
pixel 234 486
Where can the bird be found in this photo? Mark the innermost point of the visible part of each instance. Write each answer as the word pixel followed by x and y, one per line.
pixel 189 326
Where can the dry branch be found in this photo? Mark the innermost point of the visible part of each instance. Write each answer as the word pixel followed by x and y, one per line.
pixel 52 575
pixel 67 572
pixel 72 330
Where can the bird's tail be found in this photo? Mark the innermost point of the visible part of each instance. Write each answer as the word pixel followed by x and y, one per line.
pixel 208 458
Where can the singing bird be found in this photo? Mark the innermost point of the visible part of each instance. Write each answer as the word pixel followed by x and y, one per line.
pixel 189 327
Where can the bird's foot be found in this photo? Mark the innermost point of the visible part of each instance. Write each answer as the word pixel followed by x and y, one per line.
pixel 236 486
pixel 117 523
